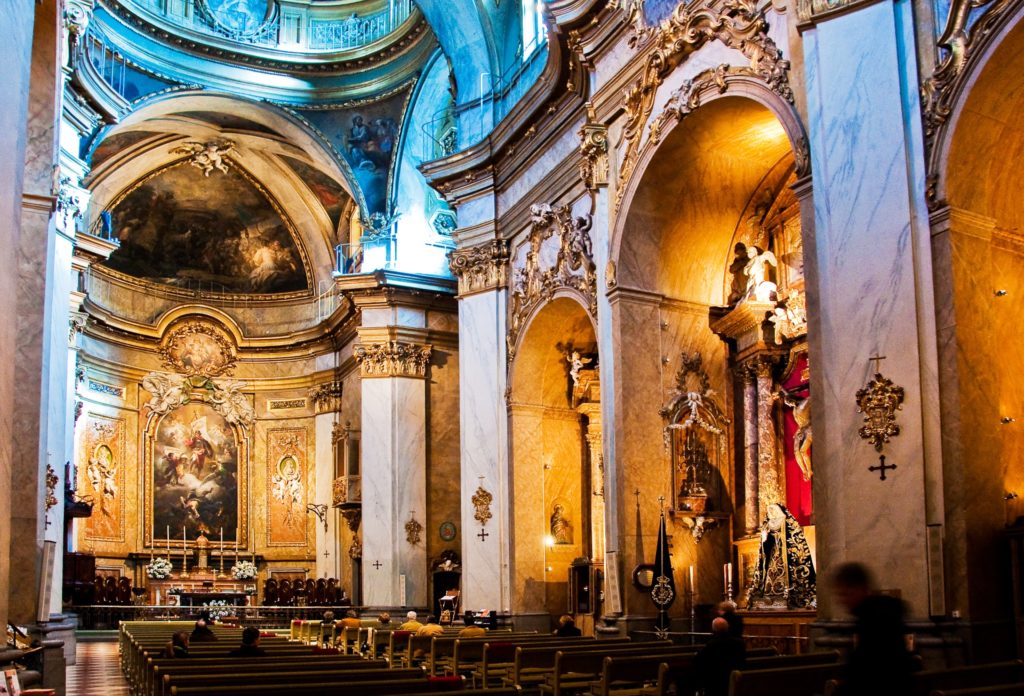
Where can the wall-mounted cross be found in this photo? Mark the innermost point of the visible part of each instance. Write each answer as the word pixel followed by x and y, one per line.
pixel 882 467
pixel 483 534
pixel 377 564
pixel 877 359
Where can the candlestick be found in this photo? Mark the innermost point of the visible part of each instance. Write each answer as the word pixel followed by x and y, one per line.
pixel 222 553
pixel 236 547
pixel 184 553
pixel 168 542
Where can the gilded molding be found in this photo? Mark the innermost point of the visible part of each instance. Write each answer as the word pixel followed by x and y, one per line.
pixel 738 25
pixel 198 348
pixel 573 268
pixel 969 25
pixel 594 151
pixel 482 500
pixel 226 397
pixel 480 268
pixel 326 397
pixel 393 359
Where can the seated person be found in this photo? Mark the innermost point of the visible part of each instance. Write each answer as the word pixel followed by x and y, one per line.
pixel 202 633
pixel 351 620
pixel 411 624
pixel 384 619
pixel 471 630
pixel 723 653
pixel 727 610
pixel 326 628
pixel 178 647
pixel 250 646
pixel 431 628
pixel 567 627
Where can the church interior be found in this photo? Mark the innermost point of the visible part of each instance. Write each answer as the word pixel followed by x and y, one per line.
pixel 505 311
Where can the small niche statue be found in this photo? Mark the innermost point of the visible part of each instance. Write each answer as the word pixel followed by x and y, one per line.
pixel 758 286
pixel 561 530
pixel 784 577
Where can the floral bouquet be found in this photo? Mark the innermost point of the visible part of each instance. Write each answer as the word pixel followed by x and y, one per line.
pixel 218 609
pixel 243 570
pixel 159 568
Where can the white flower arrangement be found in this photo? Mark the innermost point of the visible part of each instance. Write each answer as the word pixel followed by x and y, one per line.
pixel 159 568
pixel 243 570
pixel 218 609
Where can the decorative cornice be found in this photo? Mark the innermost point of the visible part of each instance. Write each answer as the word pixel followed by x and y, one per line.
pixel 393 359
pixel 480 268
pixel 738 25
pixel 573 268
pixel 594 151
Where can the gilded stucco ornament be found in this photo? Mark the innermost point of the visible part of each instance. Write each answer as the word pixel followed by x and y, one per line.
pixel 573 268
pixel 878 401
pixel 738 25
pixel 413 530
pixel 197 348
pixel 213 154
pixel 326 397
pixel 393 359
pixel 481 267
pixel 51 489
pixel 969 26
pixel 168 392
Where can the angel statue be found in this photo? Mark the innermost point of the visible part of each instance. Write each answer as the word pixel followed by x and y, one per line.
pixel 576 363
pixel 207 156
pixel 756 271
pixel 168 392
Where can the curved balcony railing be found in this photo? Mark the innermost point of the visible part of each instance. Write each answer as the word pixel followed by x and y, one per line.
pixel 303 29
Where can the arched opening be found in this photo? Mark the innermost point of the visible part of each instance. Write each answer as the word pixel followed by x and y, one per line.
pixel 978 257
pixel 712 382
pixel 554 428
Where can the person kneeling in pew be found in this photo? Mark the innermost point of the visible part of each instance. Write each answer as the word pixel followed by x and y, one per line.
pixel 250 646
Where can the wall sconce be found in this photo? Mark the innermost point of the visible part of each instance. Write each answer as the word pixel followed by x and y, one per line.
pixel 549 541
pixel 320 511
pixel 1001 293
pixel 1006 420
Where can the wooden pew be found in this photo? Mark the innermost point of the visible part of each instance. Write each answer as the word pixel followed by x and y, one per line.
pixel 1000 690
pixel 498 657
pixel 792 681
pixel 442 648
pixel 628 674
pixel 236 665
pixel 681 672
pixel 415 687
pixel 975 676
pixel 284 679
pixel 579 669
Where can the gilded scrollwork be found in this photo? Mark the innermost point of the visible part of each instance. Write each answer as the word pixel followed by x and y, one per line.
pixel 573 268
pixel 413 530
pixel 481 267
pixel 878 401
pixel 739 25
pixel 393 359
pixel 168 392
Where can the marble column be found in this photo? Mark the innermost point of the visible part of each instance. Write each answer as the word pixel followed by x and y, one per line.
pixel 40 357
pixel 16 57
pixel 770 483
pixel 595 446
pixel 750 460
pixel 867 264
pixel 481 271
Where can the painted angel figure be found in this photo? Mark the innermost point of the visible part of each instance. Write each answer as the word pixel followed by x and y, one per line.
pixel 756 271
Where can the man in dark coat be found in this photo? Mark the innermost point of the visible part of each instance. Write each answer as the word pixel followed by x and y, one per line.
pixel 723 653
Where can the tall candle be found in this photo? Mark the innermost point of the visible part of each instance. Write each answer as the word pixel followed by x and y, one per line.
pixel 693 587
pixel 222 542
pixel 168 542
pixel 236 548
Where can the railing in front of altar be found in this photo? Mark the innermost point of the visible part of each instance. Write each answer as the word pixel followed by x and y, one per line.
pixel 109 617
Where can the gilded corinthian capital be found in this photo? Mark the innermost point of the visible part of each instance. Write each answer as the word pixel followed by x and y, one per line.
pixel 393 359
pixel 479 268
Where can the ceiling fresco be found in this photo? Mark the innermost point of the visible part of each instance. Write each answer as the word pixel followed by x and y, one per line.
pixel 227 121
pixel 219 232
pixel 117 142
pixel 366 136
pixel 331 196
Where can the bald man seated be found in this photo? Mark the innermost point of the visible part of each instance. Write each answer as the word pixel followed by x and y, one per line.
pixel 723 653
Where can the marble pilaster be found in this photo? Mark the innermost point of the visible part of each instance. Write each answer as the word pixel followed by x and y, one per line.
pixel 39 420
pixel 870 294
pixel 750 468
pixel 595 445
pixel 770 484
pixel 16 57
pixel 328 554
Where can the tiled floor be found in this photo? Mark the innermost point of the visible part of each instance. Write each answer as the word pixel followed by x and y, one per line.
pixel 98 672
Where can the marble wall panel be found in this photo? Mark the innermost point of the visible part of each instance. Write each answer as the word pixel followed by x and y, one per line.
pixel 288 477
pixel 444 484
pixel 530 526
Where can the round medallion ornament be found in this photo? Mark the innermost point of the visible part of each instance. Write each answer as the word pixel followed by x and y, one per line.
pixel 662 594
pixel 447 531
pixel 240 18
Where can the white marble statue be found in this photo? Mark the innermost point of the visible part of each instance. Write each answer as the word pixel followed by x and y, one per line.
pixel 756 271
pixel 576 363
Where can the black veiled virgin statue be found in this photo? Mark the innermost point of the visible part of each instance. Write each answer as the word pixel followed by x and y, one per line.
pixel 784 577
